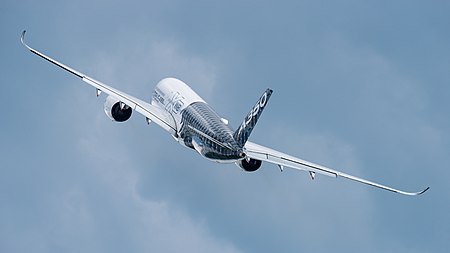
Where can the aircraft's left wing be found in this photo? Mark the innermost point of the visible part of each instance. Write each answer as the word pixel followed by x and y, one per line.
pixel 266 154
pixel 153 113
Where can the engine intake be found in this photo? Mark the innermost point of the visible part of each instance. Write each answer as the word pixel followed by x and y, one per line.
pixel 249 165
pixel 117 111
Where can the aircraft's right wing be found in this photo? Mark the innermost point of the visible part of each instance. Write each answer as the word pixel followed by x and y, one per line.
pixel 266 154
pixel 151 112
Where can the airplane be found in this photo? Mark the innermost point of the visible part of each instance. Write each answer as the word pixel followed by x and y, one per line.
pixel 180 111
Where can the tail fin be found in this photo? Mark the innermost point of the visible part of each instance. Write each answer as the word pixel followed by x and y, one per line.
pixel 245 129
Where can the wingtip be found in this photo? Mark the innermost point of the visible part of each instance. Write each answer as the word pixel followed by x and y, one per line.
pixel 418 193
pixel 22 39
pixel 23 36
pixel 426 189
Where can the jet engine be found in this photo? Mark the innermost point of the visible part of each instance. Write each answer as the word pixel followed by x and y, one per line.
pixel 249 164
pixel 116 110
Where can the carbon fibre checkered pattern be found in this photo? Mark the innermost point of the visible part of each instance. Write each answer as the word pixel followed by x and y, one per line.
pixel 198 119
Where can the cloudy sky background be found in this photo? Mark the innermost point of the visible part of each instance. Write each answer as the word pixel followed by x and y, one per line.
pixel 360 86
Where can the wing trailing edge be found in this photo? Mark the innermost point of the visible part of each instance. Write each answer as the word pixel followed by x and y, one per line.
pixel 262 153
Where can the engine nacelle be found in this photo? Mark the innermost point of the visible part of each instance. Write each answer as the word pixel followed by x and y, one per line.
pixel 117 111
pixel 249 165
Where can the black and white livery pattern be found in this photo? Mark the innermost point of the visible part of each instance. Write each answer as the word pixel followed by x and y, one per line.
pixel 245 129
pixel 203 130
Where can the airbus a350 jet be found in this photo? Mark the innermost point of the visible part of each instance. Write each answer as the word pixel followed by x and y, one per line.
pixel 194 124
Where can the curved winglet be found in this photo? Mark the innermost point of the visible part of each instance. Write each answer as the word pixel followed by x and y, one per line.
pixel 22 39
pixel 418 193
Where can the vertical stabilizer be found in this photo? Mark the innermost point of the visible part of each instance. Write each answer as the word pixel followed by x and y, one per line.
pixel 245 129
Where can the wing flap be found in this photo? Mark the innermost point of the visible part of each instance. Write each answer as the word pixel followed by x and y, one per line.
pixel 262 153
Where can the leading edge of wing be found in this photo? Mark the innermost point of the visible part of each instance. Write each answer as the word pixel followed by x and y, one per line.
pixel 22 39
pixel 155 114
pixel 266 154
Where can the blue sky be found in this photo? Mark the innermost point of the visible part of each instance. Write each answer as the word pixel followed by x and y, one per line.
pixel 359 86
